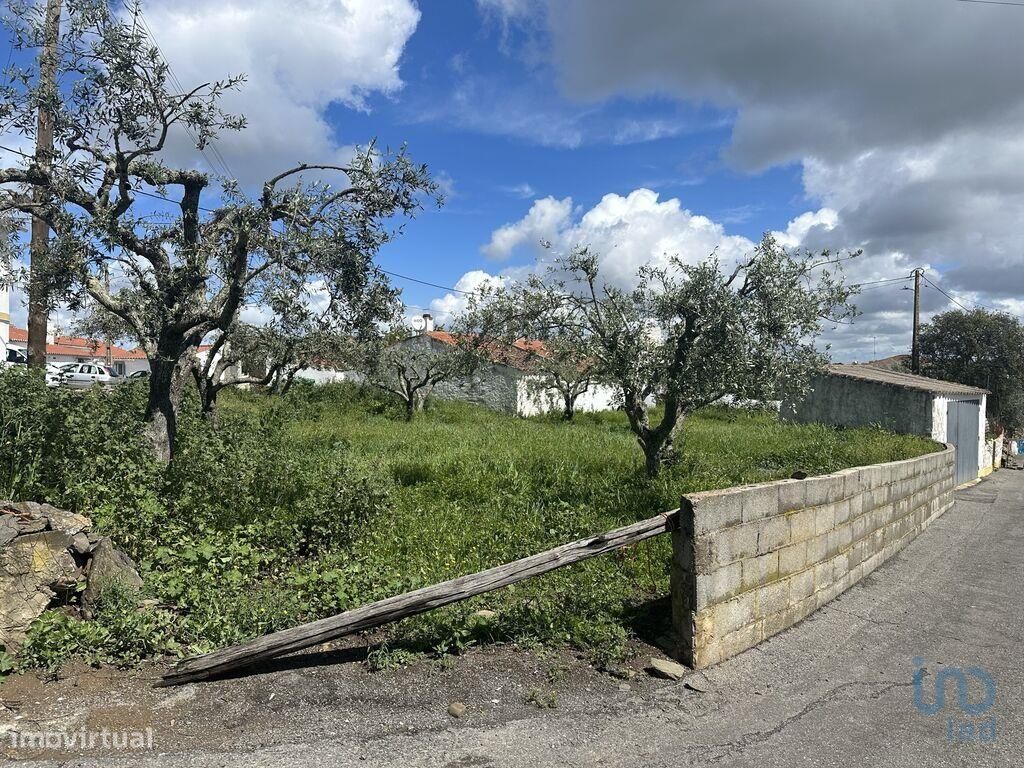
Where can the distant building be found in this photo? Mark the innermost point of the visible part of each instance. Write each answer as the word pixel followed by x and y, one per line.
pixel 76 349
pixel 860 395
pixel 510 381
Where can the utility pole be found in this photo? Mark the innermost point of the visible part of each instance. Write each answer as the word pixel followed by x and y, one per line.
pixel 915 345
pixel 39 249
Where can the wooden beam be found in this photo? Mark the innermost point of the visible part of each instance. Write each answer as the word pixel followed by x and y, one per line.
pixel 411 603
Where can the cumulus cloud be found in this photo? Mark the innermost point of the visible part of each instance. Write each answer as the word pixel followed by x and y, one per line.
pixel 451 304
pixel 299 57
pixel 905 117
pixel 627 231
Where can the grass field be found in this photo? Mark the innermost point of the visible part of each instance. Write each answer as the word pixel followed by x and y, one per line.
pixel 302 507
pixel 472 489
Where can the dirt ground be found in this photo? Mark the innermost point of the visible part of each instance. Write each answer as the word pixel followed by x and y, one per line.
pixel 325 694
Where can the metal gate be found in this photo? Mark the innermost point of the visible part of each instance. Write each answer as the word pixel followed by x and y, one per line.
pixel 962 417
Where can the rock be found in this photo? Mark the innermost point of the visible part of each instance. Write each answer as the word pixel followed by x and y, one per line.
pixel 33 569
pixel 697 682
pixel 456 709
pixel 81 544
pixel 8 529
pixel 622 673
pixel 68 522
pixel 625 687
pixel 107 568
pixel 667 669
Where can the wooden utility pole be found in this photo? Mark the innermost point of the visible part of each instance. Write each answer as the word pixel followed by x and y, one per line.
pixel 39 249
pixel 915 346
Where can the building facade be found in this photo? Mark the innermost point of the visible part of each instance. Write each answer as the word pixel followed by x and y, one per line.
pixel 857 395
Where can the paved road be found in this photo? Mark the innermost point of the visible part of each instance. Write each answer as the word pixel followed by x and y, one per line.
pixel 834 691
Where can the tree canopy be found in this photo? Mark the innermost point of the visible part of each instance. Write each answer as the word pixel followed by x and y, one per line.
pixel 685 335
pixel 983 349
pixel 185 274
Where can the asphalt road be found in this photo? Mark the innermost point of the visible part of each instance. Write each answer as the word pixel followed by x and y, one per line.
pixel 837 690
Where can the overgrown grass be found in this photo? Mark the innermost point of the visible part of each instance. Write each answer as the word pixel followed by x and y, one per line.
pixel 303 507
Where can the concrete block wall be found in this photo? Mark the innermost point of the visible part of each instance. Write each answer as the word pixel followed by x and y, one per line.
pixel 749 562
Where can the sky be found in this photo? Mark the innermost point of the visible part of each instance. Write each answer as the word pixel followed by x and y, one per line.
pixel 650 128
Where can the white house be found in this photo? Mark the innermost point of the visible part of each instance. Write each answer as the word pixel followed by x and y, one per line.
pixel 509 382
pixel 856 395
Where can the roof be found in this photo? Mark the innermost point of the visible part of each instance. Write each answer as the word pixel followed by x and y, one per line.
pixel 519 354
pixel 78 346
pixel 864 372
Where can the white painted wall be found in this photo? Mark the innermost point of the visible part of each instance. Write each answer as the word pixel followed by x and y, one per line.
pixel 532 400
pixel 329 376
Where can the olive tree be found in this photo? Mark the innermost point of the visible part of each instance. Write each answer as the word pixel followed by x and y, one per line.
pixel 409 366
pixel 182 276
pixel 682 336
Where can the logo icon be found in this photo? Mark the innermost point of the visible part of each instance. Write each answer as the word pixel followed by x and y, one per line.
pixel 963 729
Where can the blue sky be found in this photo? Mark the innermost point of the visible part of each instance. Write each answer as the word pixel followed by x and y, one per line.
pixel 495 171
pixel 648 128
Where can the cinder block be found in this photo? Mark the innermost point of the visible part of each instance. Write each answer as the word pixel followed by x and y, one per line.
pixel 801 585
pixel 856 553
pixel 734 543
pixel 792 495
pixel 842 511
pixel 825 520
pixel 822 574
pixel 760 502
pixel 719 585
pixel 801 524
pixel 713 510
pixel 856 504
pixel 773 598
pixel 760 570
pixel 792 558
pixel 840 539
pixel 742 639
pixel 818 489
pixel 776 622
pixel 859 527
pixel 772 533
pixel 734 614
pixel 707 654
pixel 817 548
pixel 854 482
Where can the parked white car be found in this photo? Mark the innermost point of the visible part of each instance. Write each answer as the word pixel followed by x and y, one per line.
pixel 81 376
pixel 12 357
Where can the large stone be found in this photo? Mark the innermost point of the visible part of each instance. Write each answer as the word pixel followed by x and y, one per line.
pixel 33 569
pixel 108 568
pixel 670 670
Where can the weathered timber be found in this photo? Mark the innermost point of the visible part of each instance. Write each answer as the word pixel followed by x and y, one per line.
pixel 411 603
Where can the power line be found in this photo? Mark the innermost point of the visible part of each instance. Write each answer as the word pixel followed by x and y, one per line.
pixel 178 84
pixel 993 2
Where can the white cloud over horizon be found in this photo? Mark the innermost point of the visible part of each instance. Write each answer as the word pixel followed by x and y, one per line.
pixel 299 59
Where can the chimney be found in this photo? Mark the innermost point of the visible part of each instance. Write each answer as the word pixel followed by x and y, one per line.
pixel 428 322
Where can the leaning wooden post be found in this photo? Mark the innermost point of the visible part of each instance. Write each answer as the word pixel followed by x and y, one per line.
pixel 411 603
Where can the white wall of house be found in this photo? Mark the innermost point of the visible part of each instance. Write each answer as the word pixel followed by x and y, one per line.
pixel 329 376
pixel 5 319
pixel 532 399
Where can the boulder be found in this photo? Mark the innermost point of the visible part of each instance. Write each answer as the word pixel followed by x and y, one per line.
pixel 47 555
pixel 34 568
pixel 108 567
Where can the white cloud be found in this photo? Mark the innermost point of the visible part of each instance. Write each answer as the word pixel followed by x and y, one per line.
pixel 299 58
pixel 453 303
pixel 626 231
pixel 523 191
pixel 906 118
pixel 546 216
